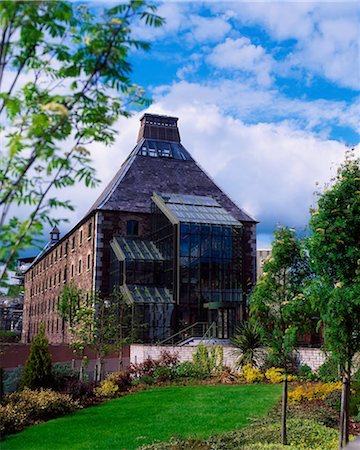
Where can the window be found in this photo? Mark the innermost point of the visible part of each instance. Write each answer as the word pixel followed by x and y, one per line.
pixel 88 262
pixel 66 248
pixel 80 266
pixel 132 228
pixel 73 243
pixel 89 230
pixel 72 270
pixel 65 273
pixel 81 237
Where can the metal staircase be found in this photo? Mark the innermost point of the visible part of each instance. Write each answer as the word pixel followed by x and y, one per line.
pixel 193 334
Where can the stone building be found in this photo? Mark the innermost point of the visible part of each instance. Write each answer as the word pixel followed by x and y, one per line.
pixel 261 256
pixel 163 232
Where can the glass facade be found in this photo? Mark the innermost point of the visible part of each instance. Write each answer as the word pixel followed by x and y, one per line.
pixel 190 269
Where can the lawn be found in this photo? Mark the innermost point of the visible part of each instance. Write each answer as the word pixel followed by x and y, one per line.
pixel 141 418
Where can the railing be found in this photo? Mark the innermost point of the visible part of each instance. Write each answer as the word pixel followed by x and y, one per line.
pixel 196 330
pixel 210 333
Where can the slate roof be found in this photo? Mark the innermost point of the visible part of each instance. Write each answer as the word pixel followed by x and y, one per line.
pixel 140 176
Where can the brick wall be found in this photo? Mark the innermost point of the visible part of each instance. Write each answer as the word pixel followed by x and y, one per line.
pixel 14 355
pixel 71 259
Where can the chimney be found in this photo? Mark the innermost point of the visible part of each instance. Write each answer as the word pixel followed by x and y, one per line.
pixel 160 128
pixel 55 234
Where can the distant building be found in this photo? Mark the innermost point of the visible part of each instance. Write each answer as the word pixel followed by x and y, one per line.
pixel 261 256
pixel 11 305
pixel 164 233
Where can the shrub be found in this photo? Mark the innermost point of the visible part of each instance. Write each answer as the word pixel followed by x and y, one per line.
pixel 247 340
pixel 188 369
pixel 309 392
pixel 162 374
pixel 168 359
pixel 12 380
pixel 329 371
pixel 251 374
pixel 121 379
pixel 206 361
pixel 146 379
pixel 333 399
pixel 305 371
pixel 82 391
pixel 276 375
pixel 107 389
pixel 226 377
pixel 26 407
pixel 62 374
pixel 38 371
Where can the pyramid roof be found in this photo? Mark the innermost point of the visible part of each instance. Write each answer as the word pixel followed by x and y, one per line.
pixel 160 165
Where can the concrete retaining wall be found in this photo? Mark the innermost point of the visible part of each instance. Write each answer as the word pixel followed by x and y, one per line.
pixel 313 357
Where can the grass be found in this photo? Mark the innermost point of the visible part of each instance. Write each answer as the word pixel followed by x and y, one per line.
pixel 156 414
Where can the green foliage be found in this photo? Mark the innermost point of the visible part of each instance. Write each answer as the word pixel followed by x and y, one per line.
pixel 12 380
pixel 303 435
pixel 9 336
pixel 26 407
pixel 329 370
pixel 208 361
pixel 76 62
pixel 107 389
pixel 37 372
pixel 278 303
pixel 334 248
pixel 247 340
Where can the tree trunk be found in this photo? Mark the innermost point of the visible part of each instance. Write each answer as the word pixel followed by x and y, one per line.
pixel 345 407
pixel 342 414
pixel 101 368
pixel 347 401
pixel 284 410
pixel 120 357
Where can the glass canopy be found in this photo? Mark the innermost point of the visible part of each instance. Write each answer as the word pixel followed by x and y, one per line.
pixel 146 295
pixel 135 250
pixel 194 209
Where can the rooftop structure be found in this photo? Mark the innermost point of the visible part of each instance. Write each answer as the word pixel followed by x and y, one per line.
pixel 162 232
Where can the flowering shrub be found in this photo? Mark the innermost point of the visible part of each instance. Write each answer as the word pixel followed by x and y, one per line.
pixel 309 392
pixel 148 367
pixel 107 389
pixel 276 375
pixel 120 379
pixel 251 374
pixel 26 407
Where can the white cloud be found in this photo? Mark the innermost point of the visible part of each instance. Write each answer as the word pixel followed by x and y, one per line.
pixel 240 54
pixel 208 29
pixel 326 34
pixel 243 101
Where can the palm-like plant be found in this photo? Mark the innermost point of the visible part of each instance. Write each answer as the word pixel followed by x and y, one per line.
pixel 247 340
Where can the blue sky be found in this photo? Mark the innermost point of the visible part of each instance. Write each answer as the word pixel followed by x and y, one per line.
pixel 267 95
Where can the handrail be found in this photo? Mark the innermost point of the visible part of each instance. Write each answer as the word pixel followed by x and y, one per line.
pixel 182 331
pixel 213 325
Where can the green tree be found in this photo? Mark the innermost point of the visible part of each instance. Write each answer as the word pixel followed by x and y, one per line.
pixel 103 325
pixel 38 368
pixel 279 305
pixel 64 81
pixel 334 248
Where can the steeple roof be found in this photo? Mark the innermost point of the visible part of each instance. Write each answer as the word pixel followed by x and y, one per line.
pixel 160 165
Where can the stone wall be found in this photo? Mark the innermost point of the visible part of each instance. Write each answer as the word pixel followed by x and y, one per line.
pixel 313 357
